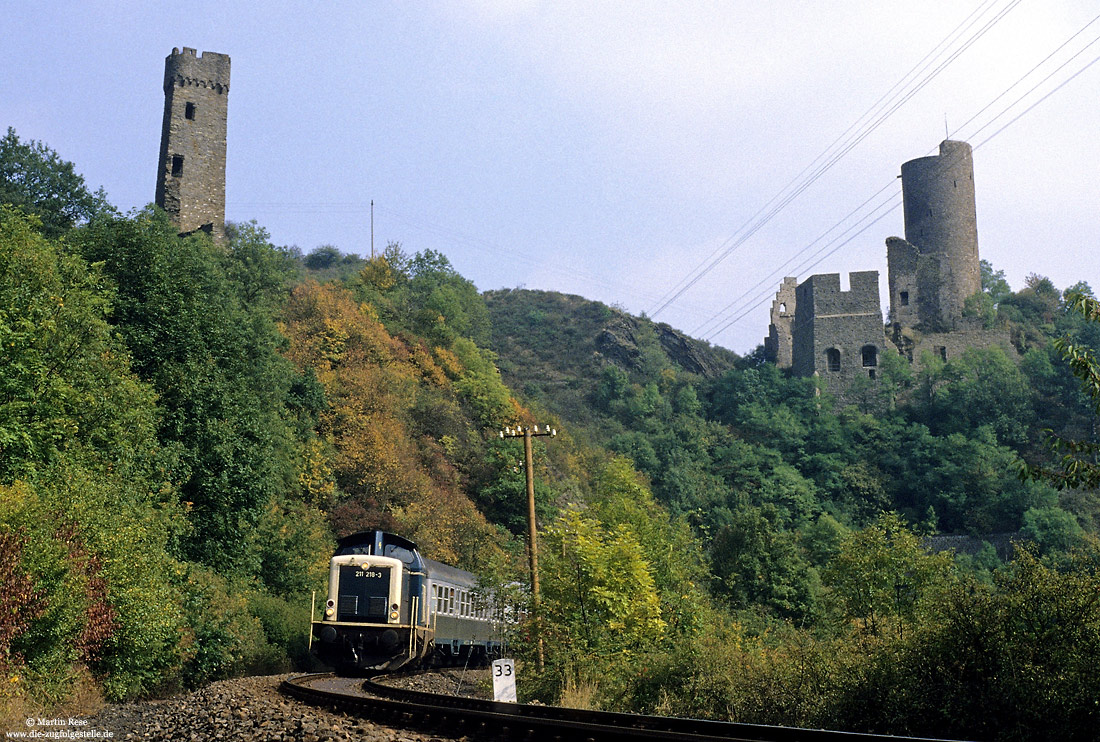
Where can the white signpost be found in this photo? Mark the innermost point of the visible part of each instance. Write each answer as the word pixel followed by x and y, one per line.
pixel 504 680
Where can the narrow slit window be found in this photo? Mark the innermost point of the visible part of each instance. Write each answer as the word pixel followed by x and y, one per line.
pixel 177 166
pixel 905 298
pixel 189 111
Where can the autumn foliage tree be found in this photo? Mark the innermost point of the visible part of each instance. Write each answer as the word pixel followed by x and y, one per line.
pixel 391 467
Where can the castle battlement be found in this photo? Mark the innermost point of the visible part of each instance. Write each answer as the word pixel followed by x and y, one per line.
pixel 207 70
pixel 837 334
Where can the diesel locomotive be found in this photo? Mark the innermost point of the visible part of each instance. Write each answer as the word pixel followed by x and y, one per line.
pixel 388 607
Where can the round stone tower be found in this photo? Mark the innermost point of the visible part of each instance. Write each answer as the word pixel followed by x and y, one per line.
pixel 941 221
pixel 191 176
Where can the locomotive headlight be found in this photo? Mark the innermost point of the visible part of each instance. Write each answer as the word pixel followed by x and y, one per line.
pixel 393 615
pixel 331 603
pixel 329 611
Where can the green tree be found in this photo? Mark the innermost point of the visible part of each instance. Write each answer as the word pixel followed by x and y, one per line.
pixel 598 592
pixel 620 498
pixel 262 272
pixel 440 304
pixel 758 565
pixel 1014 660
pixel 993 283
pixel 34 178
pixel 64 376
pixel 1076 465
pixel 980 387
pixel 214 361
pixel 1052 529
pixel 85 510
pixel 881 575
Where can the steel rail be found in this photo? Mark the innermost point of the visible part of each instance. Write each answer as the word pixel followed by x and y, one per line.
pixel 475 717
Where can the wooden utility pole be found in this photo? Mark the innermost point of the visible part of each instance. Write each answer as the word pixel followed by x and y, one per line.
pixel 527 433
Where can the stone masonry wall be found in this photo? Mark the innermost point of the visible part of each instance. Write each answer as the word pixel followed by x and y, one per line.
pixel 838 335
pixel 779 345
pixel 191 173
pixel 941 221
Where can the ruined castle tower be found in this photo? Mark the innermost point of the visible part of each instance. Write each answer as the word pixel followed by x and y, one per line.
pixel 936 267
pixel 779 344
pixel 837 334
pixel 191 175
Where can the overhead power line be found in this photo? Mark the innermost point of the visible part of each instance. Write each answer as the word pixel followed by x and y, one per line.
pixel 879 112
pixel 750 300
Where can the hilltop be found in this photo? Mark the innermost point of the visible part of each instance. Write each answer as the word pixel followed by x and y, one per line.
pixel 553 348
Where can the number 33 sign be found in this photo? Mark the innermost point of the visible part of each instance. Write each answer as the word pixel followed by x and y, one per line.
pixel 504 680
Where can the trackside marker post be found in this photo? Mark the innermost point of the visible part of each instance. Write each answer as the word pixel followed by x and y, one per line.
pixel 504 681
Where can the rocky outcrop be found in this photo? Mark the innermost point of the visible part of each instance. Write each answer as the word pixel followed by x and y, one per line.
pixel 619 342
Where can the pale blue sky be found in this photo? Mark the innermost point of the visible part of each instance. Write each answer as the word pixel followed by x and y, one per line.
pixel 597 148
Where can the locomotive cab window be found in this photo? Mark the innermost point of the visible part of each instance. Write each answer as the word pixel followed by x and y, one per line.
pixel 400 553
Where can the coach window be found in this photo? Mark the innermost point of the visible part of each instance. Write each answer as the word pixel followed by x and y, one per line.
pixel 832 358
pixel 450 601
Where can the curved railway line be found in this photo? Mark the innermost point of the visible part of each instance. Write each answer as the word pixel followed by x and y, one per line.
pixel 484 720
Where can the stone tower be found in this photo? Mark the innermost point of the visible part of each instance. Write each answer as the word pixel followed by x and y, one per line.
pixel 191 176
pixel 936 267
pixel 837 334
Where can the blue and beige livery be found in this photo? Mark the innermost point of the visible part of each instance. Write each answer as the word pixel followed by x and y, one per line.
pixel 389 607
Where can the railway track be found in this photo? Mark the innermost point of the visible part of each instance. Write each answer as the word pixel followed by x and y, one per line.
pixel 490 720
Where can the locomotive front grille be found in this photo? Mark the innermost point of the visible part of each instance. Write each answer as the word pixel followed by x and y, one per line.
pixel 364 593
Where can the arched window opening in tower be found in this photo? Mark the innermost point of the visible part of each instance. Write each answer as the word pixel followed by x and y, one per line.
pixel 870 356
pixel 832 358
